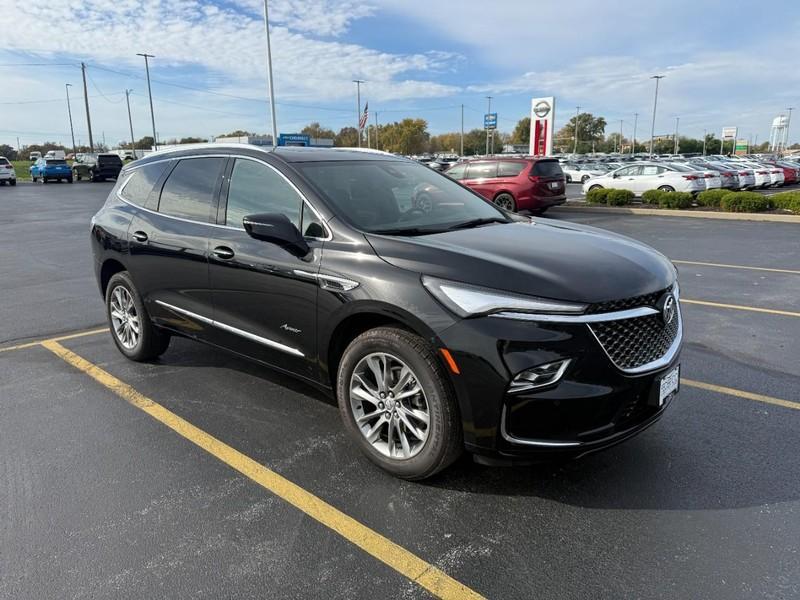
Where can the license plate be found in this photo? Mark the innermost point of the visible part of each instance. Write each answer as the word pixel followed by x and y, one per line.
pixel 554 185
pixel 669 385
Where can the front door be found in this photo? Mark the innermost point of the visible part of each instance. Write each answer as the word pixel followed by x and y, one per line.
pixel 265 298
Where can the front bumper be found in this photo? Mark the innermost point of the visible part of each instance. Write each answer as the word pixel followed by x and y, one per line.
pixel 594 405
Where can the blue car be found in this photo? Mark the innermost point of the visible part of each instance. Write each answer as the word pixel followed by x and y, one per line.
pixel 50 169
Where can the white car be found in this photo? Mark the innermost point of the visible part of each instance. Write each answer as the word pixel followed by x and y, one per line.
pixel 763 174
pixel 580 173
pixel 7 172
pixel 747 176
pixel 711 178
pixel 641 177
pixel 728 176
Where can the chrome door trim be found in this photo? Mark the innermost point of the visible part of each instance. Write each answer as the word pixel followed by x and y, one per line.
pixel 235 330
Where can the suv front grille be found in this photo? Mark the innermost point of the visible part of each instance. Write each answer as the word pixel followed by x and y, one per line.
pixel 636 342
pixel 626 303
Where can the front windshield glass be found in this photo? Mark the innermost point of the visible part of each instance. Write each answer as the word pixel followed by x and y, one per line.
pixel 397 197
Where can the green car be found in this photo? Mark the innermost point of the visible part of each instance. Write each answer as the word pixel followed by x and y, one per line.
pixel 96 167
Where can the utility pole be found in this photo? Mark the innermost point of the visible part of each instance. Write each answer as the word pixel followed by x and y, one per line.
pixel 150 94
pixel 377 139
pixel 655 106
pixel 270 83
pixel 577 118
pixel 620 136
pixel 633 143
pixel 358 83
pixel 86 101
pixel 462 130
pixel 69 112
pixel 130 121
pixel 677 143
pixel 488 111
pixel 705 135
pixel 786 131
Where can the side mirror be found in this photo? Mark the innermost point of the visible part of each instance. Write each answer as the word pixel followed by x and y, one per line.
pixel 277 229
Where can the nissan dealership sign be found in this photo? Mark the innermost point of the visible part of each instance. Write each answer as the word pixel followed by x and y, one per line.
pixel 542 117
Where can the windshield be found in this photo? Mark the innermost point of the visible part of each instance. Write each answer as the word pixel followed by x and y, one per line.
pixel 397 197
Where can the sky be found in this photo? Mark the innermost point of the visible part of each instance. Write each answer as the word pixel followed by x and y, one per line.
pixel 726 64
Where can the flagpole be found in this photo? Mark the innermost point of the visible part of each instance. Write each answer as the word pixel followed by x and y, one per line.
pixel 358 83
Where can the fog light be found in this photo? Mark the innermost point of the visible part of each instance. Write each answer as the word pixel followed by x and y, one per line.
pixel 538 377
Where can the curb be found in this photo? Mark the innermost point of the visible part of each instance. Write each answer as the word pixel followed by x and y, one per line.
pixel 695 214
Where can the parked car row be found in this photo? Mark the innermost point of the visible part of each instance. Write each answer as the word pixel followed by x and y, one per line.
pixel 94 167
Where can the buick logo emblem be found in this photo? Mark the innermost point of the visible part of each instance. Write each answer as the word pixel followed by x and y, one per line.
pixel 541 109
pixel 668 310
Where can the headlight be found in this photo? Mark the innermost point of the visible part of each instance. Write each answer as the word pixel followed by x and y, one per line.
pixel 468 300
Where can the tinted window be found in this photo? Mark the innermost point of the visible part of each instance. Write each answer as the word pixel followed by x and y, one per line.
pixel 509 168
pixel 256 188
pixel 189 190
pixel 481 170
pixel 141 183
pixel 56 161
pixel 547 168
pixel 109 159
pixel 457 172
pixel 4 161
pixel 312 225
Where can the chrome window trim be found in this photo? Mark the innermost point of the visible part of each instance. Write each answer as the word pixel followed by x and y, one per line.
pixel 531 442
pixel 327 238
pixel 630 313
pixel 235 330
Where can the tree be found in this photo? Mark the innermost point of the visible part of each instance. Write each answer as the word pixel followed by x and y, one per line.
pixel 347 138
pixel 237 133
pixel 590 132
pixel 446 142
pixel 409 136
pixel 192 140
pixel 8 151
pixel 315 130
pixel 522 132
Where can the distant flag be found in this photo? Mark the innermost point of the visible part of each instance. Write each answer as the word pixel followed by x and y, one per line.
pixel 362 122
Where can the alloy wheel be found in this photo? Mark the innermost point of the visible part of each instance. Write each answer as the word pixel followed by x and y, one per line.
pixel 124 318
pixel 389 406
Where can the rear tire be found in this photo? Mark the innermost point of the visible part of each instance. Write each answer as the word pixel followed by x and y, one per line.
pixel 91 176
pixel 585 178
pixel 596 187
pixel 69 180
pixel 12 182
pixel 666 188
pixel 506 202
pixel 131 329
pixel 396 350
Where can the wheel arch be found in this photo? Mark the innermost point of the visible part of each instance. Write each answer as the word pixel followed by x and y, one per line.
pixel 109 268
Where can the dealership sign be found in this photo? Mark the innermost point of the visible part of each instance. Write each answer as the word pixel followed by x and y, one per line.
pixel 729 133
pixel 490 121
pixel 542 117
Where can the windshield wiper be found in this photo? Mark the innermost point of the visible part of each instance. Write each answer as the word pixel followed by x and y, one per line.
pixel 406 231
pixel 477 222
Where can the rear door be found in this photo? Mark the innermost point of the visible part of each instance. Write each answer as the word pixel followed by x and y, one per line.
pixel 627 178
pixel 481 177
pixel 169 243
pixel 265 298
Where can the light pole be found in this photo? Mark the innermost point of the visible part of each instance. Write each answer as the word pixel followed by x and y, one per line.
pixel 462 130
pixel 655 105
pixel 633 142
pixel 488 111
pixel 270 83
pixel 620 136
pixel 705 135
pixel 677 143
pixel 86 103
pixel 377 140
pixel 577 117
pixel 358 83
pixel 150 94
pixel 69 112
pixel 130 121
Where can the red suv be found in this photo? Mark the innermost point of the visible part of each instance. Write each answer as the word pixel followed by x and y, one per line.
pixel 515 184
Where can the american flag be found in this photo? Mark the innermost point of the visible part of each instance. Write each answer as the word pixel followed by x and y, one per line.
pixel 362 122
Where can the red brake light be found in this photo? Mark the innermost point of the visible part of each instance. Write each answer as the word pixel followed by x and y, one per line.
pixel 707 176
pixel 742 172
pixel 690 177
pixel 534 178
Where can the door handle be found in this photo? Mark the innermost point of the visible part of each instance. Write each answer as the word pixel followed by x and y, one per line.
pixel 223 252
pixel 140 236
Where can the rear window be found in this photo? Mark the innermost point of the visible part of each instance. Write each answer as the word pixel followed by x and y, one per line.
pixel 56 161
pixel 510 168
pixel 481 170
pixel 140 184
pixel 109 159
pixel 547 168
pixel 4 161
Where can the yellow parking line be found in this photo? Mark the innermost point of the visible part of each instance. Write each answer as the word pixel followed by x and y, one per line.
pixel 770 311
pixel 721 389
pixel 726 266
pixel 395 556
pixel 69 336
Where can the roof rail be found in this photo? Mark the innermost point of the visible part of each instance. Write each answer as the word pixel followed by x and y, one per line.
pixel 356 149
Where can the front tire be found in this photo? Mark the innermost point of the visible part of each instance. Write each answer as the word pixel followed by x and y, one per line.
pixel 506 202
pixel 396 402
pixel 131 329
pixel 596 187
pixel 666 188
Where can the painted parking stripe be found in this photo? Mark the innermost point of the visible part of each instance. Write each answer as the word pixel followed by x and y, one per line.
pixel 60 338
pixel 393 555
pixel 727 266
pixel 769 311
pixel 721 389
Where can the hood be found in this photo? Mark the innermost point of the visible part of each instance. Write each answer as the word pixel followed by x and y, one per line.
pixel 543 257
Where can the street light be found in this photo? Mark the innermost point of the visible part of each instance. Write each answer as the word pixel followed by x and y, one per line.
pixel 677 143
pixel 488 111
pixel 705 135
pixel 633 143
pixel 130 121
pixel 270 79
pixel 150 94
pixel 69 112
pixel 358 83
pixel 577 115
pixel 655 105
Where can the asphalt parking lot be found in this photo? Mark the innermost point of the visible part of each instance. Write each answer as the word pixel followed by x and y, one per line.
pixel 203 475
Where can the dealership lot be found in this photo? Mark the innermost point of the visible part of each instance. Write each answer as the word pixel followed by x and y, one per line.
pixel 103 497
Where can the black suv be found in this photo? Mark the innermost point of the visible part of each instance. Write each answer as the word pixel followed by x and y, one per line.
pixel 97 167
pixel 462 326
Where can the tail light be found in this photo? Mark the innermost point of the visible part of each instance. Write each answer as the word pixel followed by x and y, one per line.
pixel 763 172
pixel 534 178
pixel 742 172
pixel 707 176
pixel 690 177
pixel 728 174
